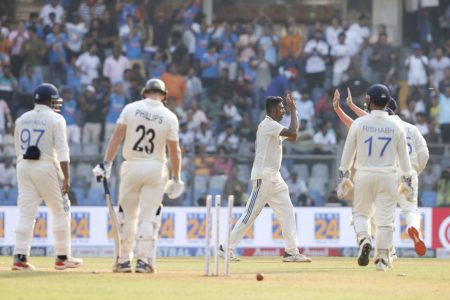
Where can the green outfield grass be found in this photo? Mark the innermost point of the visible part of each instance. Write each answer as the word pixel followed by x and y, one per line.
pixel 181 278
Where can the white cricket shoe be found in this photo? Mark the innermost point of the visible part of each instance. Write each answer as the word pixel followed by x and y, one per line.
pixel 393 254
pixel 364 252
pixel 296 258
pixel 69 263
pixel 381 264
pixel 231 254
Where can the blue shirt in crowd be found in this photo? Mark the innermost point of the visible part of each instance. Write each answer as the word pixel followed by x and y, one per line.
pixel 278 87
pixel 228 51
pixel 201 44
pixel 28 85
pixel 444 109
pixel 69 111
pixel 57 51
pixel 133 47
pixel 116 104
pixel 211 71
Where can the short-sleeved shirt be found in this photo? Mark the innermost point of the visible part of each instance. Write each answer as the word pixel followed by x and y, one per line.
pixel 268 150
pixel 44 128
pixel 415 141
pixel 149 126
pixel 375 141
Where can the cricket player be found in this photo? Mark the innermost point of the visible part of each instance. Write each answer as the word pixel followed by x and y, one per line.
pixel 268 185
pixel 146 126
pixel 43 174
pixel 375 141
pixel 418 155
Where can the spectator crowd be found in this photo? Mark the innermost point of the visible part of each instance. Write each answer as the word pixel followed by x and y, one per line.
pixel 100 53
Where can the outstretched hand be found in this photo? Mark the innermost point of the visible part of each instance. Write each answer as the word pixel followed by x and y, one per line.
pixel 349 97
pixel 336 99
pixel 291 102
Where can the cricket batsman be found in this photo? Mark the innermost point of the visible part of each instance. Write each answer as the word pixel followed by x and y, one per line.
pixel 43 174
pixel 146 127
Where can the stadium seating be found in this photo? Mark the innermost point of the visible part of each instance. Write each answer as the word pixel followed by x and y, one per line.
pixel 302 170
pixel 428 199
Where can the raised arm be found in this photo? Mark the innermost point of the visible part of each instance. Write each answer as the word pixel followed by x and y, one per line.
pixel 291 132
pixel 341 114
pixel 358 111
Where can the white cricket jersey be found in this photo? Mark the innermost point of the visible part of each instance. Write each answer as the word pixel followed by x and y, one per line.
pixel 268 150
pixel 44 128
pixel 149 125
pixel 377 140
pixel 416 143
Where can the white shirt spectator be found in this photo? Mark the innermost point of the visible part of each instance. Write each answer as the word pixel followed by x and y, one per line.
pixel 342 56
pixel 47 9
pixel 17 39
pixel 114 68
pixel 437 67
pixel 75 33
pixel 305 110
pixel 88 65
pixel 362 32
pixel 315 63
pixel 327 141
pixel 231 112
pixel 228 139
pixel 7 176
pixel 331 34
pixel 5 116
pixel 206 138
pixel 187 139
pixel 198 117
pixel 417 74
pixel 296 188
pixel 353 40
pixel 193 88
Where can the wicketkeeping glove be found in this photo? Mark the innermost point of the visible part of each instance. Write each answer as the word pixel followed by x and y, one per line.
pixel 174 188
pixel 102 170
pixel 406 188
pixel 345 185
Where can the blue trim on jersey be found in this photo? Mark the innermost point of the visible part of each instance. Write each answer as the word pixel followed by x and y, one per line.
pixel 252 201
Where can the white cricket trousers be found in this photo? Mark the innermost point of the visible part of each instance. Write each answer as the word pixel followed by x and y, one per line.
pixel 276 194
pixel 140 195
pixel 409 208
pixel 375 190
pixel 41 180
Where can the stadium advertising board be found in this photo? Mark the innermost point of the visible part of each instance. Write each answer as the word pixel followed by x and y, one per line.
pixel 182 230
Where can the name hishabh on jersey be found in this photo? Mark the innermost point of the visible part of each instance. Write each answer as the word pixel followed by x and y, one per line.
pixel 377 140
pixel 149 125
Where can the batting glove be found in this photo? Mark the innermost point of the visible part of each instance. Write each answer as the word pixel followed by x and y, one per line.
pixel 174 188
pixel 406 188
pixel 102 170
pixel 345 185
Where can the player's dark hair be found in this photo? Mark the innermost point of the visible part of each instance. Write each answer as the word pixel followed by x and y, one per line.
pixel 271 102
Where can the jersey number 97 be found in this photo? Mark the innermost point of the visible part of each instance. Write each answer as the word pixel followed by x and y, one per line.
pixel 27 136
